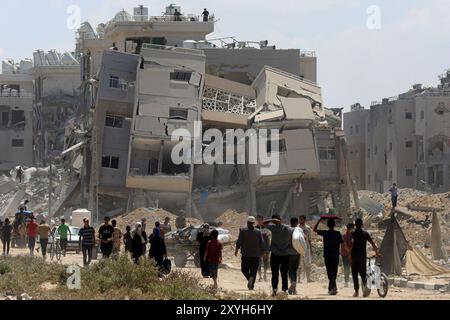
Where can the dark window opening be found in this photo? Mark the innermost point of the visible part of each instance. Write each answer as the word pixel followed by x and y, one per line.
pixel 408 115
pixel 17 143
pixel 409 172
pixel 17 117
pixel 409 144
pixel 282 146
pixel 5 119
pixel 327 153
pixel 110 162
pixel 178 114
pixel 114 121
pixel 181 76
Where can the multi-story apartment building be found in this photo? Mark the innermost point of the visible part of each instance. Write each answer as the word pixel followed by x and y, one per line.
pixel 16 108
pixel 406 140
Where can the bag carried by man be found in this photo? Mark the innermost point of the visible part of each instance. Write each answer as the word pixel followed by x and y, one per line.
pixel 299 242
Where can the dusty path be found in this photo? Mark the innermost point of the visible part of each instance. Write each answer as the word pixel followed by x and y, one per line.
pixel 233 280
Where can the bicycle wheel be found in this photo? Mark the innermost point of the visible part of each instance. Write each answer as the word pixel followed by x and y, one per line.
pixel 383 291
pixel 58 252
pixel 52 252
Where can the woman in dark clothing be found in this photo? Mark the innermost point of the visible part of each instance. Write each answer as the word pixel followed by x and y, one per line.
pixel 137 243
pixel 6 236
pixel 203 238
pixel 158 248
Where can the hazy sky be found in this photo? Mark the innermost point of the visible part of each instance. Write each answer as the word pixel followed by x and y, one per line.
pixel 356 64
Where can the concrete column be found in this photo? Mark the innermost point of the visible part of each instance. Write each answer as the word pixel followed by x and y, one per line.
pixel 161 157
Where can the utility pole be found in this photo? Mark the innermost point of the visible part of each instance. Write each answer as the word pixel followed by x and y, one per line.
pixel 50 189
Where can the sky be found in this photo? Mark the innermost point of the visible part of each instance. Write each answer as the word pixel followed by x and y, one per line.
pixel 367 49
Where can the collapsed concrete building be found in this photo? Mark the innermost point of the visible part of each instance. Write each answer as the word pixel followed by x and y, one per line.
pixel 145 77
pixel 403 140
pixel 16 110
pixel 56 101
pixel 107 113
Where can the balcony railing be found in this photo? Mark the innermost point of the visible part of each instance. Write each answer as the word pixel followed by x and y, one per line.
pixel 16 94
pixel 169 48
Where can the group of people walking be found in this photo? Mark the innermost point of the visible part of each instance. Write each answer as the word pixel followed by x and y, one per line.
pixel 263 238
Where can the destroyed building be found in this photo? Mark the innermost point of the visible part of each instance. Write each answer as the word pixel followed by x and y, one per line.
pixel 56 101
pixel 16 109
pixel 403 140
pixel 144 77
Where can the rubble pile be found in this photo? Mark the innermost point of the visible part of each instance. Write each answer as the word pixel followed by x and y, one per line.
pixel 233 221
pixel 152 216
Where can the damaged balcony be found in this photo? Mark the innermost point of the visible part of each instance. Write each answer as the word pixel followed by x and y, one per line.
pixel 227 103
pixel 151 167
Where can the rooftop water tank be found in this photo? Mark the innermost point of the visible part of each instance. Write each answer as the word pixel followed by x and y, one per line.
pixel 26 65
pixel 141 14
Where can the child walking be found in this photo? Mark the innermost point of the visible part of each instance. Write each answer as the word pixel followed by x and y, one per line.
pixel 213 256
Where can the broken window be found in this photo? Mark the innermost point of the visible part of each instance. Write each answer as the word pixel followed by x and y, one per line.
pixel 181 76
pixel 409 172
pixel 282 146
pixel 327 153
pixel 110 162
pixel 114 121
pixel 178 114
pixel 118 83
pixel 409 144
pixel 408 115
pixel 17 143
pixel 17 117
pixel 422 114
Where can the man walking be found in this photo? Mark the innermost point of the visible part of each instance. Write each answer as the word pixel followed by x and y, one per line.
pixel 394 195
pixel 264 261
pixel 105 234
pixel 294 260
pixel 44 233
pixel 359 256
pixel 279 260
pixel 250 242
pixel 32 232
pixel 332 241
pixel 64 231
pixel 203 237
pixel 346 252
pixel 117 238
pixel 306 259
pixel 213 256
pixel 87 242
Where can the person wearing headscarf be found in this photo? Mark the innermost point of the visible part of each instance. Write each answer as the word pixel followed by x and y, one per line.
pixel 137 243
pixel 203 237
pixel 158 248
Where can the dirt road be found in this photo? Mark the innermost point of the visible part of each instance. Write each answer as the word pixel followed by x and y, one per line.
pixel 232 280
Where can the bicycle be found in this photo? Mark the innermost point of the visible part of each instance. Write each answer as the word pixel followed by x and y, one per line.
pixel 376 279
pixel 55 250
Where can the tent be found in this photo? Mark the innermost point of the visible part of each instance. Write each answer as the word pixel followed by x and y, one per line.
pixel 436 238
pixel 395 247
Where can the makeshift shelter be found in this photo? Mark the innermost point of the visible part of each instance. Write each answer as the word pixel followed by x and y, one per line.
pixel 417 263
pixel 393 248
pixel 437 250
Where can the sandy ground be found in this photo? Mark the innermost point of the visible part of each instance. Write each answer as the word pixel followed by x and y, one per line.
pixel 232 280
